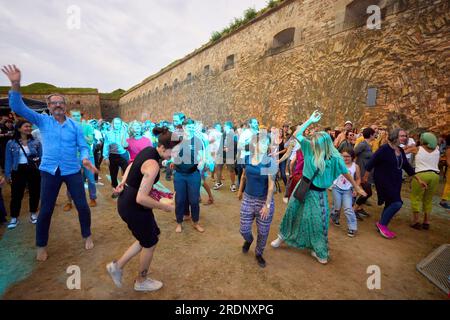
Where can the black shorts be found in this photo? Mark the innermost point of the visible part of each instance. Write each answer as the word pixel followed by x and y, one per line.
pixel 139 219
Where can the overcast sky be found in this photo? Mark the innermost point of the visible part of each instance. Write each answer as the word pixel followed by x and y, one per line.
pixel 118 44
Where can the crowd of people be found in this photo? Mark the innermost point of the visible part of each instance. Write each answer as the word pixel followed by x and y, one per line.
pixel 42 151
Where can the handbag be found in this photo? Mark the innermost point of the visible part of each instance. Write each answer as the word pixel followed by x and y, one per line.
pixel 303 186
pixel 33 162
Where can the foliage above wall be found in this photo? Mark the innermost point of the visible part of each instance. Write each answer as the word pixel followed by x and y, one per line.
pixel 115 95
pixel 249 15
pixel 45 88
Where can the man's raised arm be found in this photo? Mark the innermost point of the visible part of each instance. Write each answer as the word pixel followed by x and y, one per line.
pixel 15 98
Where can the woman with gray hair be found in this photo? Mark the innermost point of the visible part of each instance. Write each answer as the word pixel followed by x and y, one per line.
pixel 387 165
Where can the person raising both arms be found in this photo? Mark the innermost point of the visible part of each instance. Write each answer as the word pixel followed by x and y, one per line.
pixel 62 139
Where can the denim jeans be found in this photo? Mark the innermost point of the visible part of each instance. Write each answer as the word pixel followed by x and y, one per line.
pixel 389 212
pixel 50 186
pixel 169 172
pixel 90 177
pixel 283 172
pixel 187 188
pixel 344 199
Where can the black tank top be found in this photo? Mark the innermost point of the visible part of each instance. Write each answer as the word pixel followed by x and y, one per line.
pixel 135 175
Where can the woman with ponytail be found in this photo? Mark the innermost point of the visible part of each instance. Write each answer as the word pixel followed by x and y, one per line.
pixel 135 206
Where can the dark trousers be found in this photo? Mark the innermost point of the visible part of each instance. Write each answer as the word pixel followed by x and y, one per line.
pixel 283 172
pixel 24 176
pixel 117 161
pixel 240 170
pixel 98 158
pixel 367 187
pixel 3 213
pixel 187 188
pixel 50 186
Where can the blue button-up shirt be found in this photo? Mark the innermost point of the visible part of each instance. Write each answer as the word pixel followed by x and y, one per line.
pixel 60 142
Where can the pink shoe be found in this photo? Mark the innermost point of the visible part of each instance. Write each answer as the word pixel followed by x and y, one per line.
pixel 384 231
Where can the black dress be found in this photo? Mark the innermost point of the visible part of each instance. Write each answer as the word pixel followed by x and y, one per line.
pixel 140 220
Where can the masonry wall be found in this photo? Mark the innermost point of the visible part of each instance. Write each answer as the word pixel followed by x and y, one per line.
pixel 109 108
pixel 327 65
pixel 88 104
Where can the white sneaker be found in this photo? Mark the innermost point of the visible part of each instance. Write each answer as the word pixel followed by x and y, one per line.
pixel 218 185
pixel 233 188
pixel 322 261
pixel 33 218
pixel 286 200
pixel 148 285
pixel 276 243
pixel 13 223
pixel 115 273
pixel 99 183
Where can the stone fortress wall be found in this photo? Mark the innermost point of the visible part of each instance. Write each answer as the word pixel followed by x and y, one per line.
pixel 308 53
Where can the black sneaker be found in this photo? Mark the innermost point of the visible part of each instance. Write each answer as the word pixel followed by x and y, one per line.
pixel 115 195
pixel 261 261
pixel 246 247
pixel 363 213
pixel 445 205
pixel 351 233
pixel 336 222
pixel 358 216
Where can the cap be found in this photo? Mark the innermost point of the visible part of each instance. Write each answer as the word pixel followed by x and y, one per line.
pixel 348 122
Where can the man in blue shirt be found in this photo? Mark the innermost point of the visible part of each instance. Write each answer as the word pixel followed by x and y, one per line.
pixel 62 139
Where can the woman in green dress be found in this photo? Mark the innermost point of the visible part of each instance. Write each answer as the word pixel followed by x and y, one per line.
pixel 305 224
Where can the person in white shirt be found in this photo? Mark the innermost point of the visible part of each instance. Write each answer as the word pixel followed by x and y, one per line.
pixel 427 161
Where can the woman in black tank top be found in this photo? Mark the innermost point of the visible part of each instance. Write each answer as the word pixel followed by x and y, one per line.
pixel 135 208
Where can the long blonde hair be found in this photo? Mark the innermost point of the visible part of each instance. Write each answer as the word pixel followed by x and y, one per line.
pixel 323 149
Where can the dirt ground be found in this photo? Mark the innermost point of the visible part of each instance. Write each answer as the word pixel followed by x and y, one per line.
pixel 211 265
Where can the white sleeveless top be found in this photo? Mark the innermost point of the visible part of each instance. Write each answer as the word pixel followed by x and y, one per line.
pixel 342 183
pixel 427 161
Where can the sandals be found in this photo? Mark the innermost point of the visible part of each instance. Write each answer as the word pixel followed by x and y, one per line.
pixel 419 226
pixel 416 226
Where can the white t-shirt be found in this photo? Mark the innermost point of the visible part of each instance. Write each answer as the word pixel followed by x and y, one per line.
pixel 294 151
pixel 426 161
pixel 36 133
pixel 98 135
pixel 411 143
pixel 22 157
pixel 342 183
pixel 214 136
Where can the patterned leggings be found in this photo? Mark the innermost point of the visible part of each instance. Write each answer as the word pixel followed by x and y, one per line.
pixel 250 209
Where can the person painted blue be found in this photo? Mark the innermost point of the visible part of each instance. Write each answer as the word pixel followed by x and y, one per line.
pixel 177 122
pixel 115 154
pixel 88 132
pixel 187 180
